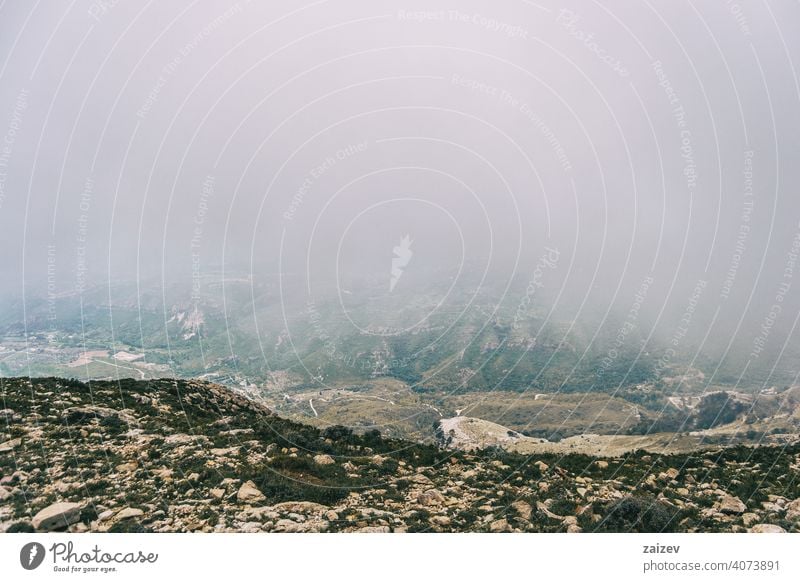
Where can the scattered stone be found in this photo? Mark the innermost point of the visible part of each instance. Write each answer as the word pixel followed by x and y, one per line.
pixel 793 510
pixel 184 439
pixel 430 497
pixel 9 446
pixel 128 513
pixel 543 508
pixel 669 474
pixel 766 528
pixel 249 493
pixel 305 507
pixel 749 519
pixel 730 505
pixel 499 526
pixel 523 509
pixel 324 460
pixel 57 516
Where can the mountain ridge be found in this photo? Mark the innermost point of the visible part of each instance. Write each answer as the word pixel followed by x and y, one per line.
pixel 175 455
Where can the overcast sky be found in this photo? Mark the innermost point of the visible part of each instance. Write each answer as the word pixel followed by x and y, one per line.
pixel 658 140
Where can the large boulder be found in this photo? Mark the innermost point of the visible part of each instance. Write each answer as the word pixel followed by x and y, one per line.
pixel 249 493
pixel 57 516
pixel 128 513
pixel 731 505
pixel 793 510
pixel 324 460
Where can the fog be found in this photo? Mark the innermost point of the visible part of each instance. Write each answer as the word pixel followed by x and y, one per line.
pixel 651 148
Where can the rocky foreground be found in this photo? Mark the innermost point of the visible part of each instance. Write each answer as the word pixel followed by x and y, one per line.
pixel 177 456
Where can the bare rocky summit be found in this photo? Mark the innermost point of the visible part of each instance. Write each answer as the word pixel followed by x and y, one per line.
pixel 180 456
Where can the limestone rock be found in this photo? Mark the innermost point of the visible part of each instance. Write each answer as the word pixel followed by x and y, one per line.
pixel 56 516
pixel 730 505
pixel 793 510
pixel 499 526
pixel 669 474
pixel 324 460
pixel 766 528
pixel 430 497
pixel 128 513
pixel 749 519
pixel 304 507
pixel 9 446
pixel 543 508
pixel 249 493
pixel 523 509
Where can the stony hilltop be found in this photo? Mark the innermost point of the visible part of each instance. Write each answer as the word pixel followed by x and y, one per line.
pixel 179 456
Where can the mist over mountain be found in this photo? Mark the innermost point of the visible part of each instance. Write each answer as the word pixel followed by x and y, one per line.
pixel 309 142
